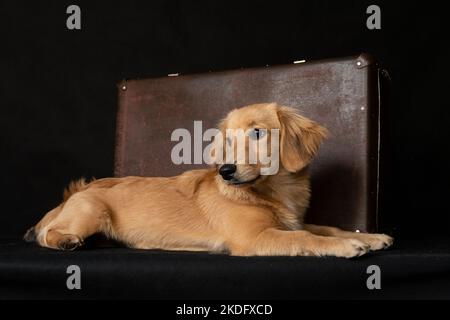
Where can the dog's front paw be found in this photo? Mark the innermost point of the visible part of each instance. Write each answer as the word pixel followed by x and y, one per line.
pixel 377 241
pixel 350 248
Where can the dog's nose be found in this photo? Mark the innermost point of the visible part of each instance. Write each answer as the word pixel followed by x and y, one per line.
pixel 227 171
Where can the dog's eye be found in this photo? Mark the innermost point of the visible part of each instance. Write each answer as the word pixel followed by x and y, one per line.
pixel 257 133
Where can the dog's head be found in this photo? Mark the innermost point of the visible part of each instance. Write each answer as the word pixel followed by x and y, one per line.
pixel 258 138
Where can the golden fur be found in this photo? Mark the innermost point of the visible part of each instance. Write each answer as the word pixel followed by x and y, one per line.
pixel 198 210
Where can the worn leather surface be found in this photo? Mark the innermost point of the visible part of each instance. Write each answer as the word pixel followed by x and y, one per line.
pixel 341 94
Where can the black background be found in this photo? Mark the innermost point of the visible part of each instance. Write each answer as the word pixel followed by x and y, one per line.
pixel 58 87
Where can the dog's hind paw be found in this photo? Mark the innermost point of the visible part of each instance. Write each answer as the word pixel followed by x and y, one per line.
pixel 69 242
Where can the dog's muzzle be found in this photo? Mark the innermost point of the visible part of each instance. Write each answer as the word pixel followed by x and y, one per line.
pixel 227 171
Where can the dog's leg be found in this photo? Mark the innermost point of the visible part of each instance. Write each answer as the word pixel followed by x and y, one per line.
pixel 33 232
pixel 80 217
pixel 274 242
pixel 374 240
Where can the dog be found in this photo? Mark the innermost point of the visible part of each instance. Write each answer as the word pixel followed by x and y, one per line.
pixel 229 207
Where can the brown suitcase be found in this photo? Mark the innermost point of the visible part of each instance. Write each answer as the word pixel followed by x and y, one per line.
pixel 341 94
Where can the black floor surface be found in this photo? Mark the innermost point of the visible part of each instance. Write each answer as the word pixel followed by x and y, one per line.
pixel 411 269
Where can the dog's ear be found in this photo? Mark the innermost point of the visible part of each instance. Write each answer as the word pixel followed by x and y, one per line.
pixel 300 139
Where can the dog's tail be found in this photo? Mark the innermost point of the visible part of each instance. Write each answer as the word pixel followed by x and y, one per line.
pixel 74 187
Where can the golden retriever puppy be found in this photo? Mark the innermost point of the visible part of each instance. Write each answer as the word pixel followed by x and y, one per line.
pixel 230 207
